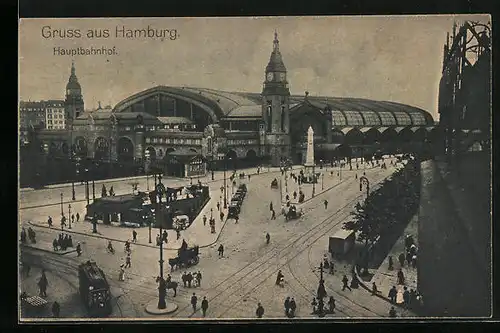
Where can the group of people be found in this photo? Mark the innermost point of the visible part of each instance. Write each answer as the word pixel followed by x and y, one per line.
pixel 193 279
pixel 318 305
pixel 104 192
pixel 162 238
pixel 29 234
pixel 62 242
pixel 410 297
pixel 204 304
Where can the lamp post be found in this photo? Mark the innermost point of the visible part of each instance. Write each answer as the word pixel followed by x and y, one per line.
pixel 146 167
pixel 69 216
pixel 225 187
pixel 162 304
pixel 87 192
pixel 365 181
pixel 321 292
pixel 149 241
pixel 322 181
pixel 62 211
pixel 314 180
pixel 93 190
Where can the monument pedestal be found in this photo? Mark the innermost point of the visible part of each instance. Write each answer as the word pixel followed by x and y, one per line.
pixel 152 308
pixel 309 174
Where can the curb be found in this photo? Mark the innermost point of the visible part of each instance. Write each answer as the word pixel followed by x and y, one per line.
pixel 45 250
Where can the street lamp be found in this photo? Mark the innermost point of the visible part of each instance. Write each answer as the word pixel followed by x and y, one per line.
pixel 69 216
pixel 162 304
pixel 314 180
pixel 225 186
pixel 87 192
pixel 321 292
pixel 146 167
pixel 322 181
pixel 149 231
pixel 62 211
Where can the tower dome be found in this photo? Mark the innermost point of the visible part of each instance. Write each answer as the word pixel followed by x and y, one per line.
pixel 276 62
pixel 73 84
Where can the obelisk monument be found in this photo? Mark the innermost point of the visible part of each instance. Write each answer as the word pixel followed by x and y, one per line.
pixel 310 148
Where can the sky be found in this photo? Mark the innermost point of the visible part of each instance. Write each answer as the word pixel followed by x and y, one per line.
pixel 396 58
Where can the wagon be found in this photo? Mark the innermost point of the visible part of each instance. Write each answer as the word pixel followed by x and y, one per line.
pixel 189 256
pixel 274 183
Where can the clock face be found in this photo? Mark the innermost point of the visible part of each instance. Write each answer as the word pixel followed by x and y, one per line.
pixel 282 76
pixel 270 76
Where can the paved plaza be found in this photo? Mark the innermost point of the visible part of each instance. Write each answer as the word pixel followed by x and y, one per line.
pixel 233 284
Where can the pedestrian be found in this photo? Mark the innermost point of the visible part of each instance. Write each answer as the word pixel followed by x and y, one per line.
pixel 287 198
pixel 326 203
pixel 184 279
pixel 49 222
pixel 331 271
pixel 204 220
pixel 73 218
pixel 273 215
pixel 165 236
pixel 42 284
pixel 345 280
pixel 121 275
pixel 218 205
pixel 221 216
pixel 271 206
pixel 63 222
pixel 194 300
pixel 189 278
pixel 158 240
pixel 331 304
pixel 392 312
pixel 287 306
pixel 198 278
pixel 56 309
pixel 178 233
pixel 236 219
pixel 406 297
pixel 66 241
pixel 414 261
pixel 293 307
pixel 54 244
pixel 260 311
pixel 204 306
pixel 401 259
pixel 128 262
pixel 77 217
pixel 401 277
pixel 268 238
pixel 391 263
pixel 374 289
pixel 78 249
pixel 408 257
pixel 134 236
pixel 70 241
pixel 221 251
pixel 393 293
pixel 314 305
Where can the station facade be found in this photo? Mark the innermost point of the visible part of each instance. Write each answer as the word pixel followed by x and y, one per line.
pixel 240 127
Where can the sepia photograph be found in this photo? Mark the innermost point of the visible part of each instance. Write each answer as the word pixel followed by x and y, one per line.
pixel 254 168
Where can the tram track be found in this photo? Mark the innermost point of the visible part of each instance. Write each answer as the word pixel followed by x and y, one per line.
pixel 229 284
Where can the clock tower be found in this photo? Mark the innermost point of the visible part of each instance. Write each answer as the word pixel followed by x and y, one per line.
pixel 275 108
pixel 73 104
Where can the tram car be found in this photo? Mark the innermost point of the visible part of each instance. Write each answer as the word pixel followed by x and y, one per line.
pixel 94 289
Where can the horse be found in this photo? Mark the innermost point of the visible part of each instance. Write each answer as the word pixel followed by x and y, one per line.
pixel 169 285
pixel 174 262
pixel 172 285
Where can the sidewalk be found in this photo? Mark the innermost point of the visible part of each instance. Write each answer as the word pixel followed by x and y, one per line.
pixel 45 246
pixel 386 279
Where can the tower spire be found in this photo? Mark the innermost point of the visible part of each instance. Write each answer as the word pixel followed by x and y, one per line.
pixel 276 41
pixel 72 67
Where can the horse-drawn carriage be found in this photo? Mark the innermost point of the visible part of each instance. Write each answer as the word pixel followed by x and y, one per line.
pixel 186 257
pixel 292 213
pixel 274 183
